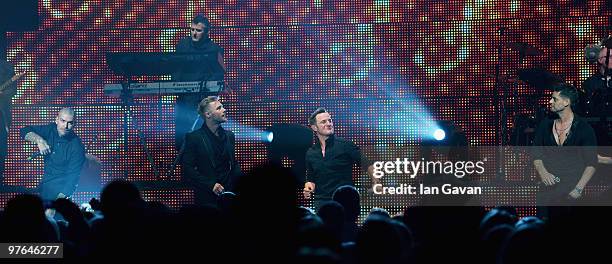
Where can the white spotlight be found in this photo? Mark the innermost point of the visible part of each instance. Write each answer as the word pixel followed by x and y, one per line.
pixel 270 137
pixel 439 134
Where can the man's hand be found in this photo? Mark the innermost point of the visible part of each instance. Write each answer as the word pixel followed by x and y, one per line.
pixel 43 147
pixel 547 178
pixel 376 181
pixel 67 208
pixel 309 188
pixel 218 189
pixel 50 213
pixel 604 159
pixel 575 193
pixel 61 196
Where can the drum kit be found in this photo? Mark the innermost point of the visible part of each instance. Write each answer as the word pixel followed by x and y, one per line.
pixel 540 80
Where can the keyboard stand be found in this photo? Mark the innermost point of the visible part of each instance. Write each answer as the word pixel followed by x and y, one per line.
pixel 128 101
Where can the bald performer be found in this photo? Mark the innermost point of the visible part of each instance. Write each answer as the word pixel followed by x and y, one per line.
pixel 64 154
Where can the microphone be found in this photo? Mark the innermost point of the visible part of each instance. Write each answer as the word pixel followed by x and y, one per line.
pixel 34 155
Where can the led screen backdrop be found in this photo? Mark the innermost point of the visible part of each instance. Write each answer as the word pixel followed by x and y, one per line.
pixel 382 68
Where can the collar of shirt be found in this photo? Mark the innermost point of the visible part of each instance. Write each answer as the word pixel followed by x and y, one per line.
pixel 570 135
pixel 328 142
pixel 202 43
pixel 220 130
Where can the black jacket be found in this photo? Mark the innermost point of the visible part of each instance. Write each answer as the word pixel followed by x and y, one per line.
pixel 63 165
pixel 200 168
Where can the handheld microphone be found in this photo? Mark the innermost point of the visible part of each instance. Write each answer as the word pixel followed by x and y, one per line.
pixel 34 155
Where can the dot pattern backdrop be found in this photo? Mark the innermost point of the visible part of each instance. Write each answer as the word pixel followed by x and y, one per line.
pixel 383 68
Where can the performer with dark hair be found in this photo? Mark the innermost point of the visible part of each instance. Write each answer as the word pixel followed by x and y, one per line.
pixel 8 89
pixel 198 42
pixel 209 161
pixel 566 157
pixel 329 162
pixel 64 154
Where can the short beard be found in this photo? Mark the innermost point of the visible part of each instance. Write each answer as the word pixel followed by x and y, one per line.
pixel 66 132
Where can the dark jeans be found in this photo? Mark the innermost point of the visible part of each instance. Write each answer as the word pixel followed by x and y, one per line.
pixel 49 190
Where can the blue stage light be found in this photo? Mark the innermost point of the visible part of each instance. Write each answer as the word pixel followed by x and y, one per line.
pixel 439 134
pixel 269 137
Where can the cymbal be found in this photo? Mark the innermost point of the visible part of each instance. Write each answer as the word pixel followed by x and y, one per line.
pixel 539 78
pixel 524 48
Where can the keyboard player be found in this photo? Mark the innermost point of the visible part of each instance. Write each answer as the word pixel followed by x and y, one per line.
pixel 198 41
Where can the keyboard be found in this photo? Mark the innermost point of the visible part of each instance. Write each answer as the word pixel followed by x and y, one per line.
pixel 165 88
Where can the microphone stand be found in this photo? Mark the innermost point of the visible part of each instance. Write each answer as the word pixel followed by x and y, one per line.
pixel 128 101
pixel 603 117
pixel 500 113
